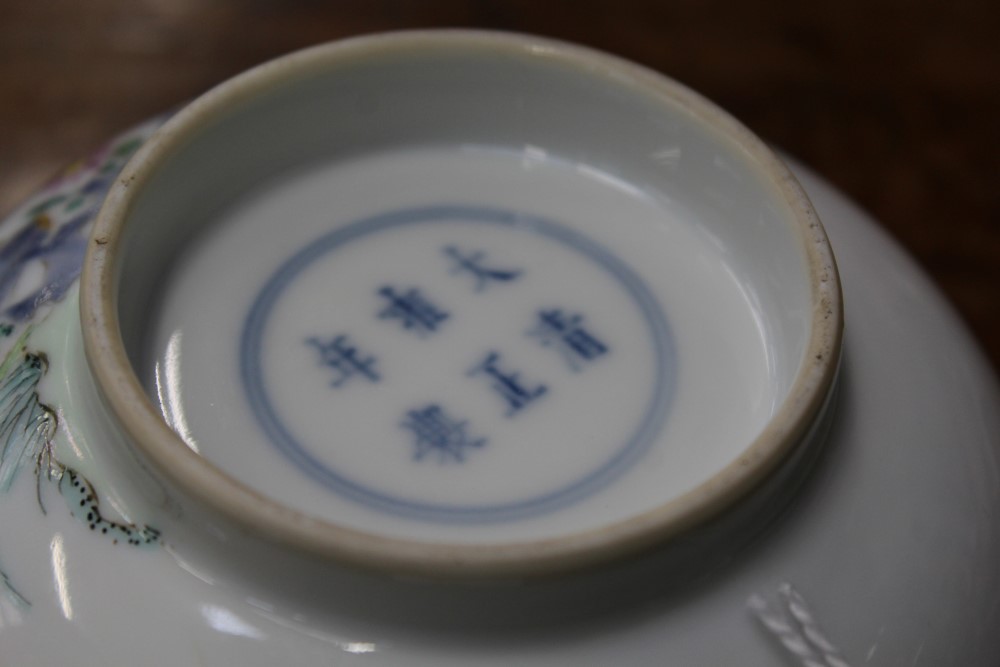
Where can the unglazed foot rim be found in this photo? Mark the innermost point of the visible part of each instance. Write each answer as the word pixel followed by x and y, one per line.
pixel 253 511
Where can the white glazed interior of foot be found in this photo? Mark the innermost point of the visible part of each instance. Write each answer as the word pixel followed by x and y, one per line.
pixel 409 302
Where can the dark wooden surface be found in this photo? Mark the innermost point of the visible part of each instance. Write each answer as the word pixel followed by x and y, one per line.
pixel 896 103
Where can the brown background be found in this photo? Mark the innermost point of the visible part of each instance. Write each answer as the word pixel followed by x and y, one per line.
pixel 896 103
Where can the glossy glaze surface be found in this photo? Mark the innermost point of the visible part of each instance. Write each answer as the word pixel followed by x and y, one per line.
pixel 892 543
pixel 589 400
pixel 670 251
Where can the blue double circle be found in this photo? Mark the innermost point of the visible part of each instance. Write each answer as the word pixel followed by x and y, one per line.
pixel 634 445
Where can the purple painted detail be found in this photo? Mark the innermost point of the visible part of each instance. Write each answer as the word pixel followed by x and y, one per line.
pixel 42 245
pixel 60 253
pixel 42 254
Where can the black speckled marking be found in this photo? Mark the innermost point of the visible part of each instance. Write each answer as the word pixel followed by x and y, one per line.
pixel 84 505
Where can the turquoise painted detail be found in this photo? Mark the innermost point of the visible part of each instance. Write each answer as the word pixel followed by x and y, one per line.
pixel 50 233
pixel 85 506
pixel 27 427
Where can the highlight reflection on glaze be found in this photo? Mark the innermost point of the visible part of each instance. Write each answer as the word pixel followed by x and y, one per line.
pixel 40 261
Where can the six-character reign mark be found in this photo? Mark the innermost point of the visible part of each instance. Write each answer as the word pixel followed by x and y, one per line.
pixel 433 429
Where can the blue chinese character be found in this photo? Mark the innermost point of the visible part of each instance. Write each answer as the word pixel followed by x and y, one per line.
pixel 507 384
pixel 566 333
pixel 342 357
pixel 472 264
pixel 413 310
pixel 438 433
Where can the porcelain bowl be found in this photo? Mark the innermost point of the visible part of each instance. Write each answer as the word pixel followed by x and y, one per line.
pixel 461 304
